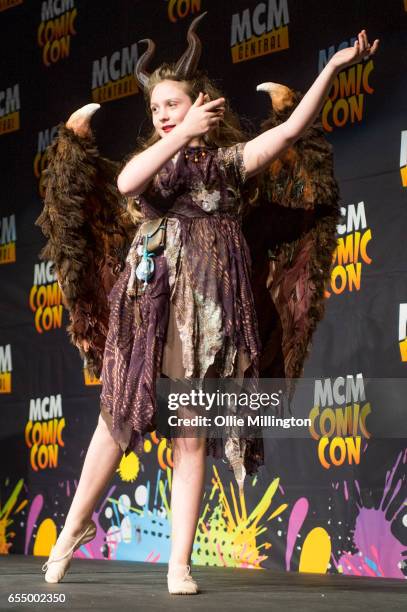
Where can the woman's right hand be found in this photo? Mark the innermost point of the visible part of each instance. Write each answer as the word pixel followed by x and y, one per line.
pixel 203 116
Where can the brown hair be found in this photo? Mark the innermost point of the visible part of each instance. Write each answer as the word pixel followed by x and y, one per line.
pixel 228 132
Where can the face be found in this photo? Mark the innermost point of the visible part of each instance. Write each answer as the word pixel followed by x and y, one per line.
pixel 169 104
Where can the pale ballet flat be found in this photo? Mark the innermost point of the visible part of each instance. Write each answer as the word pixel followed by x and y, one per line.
pixel 56 568
pixel 181 582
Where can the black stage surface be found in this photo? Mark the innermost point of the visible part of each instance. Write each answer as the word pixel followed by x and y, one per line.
pixel 123 585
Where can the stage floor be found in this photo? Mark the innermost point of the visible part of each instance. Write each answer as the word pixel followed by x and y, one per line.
pixel 122 585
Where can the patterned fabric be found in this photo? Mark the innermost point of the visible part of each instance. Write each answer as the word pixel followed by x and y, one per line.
pixel 290 215
pixel 205 272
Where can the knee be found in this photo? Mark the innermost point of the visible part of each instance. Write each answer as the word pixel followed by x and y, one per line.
pixel 188 448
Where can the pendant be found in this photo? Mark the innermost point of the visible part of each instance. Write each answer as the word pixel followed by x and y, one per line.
pixel 195 155
pixel 145 269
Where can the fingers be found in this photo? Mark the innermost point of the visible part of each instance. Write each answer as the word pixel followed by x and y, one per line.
pixel 215 108
pixel 362 39
pixel 213 104
pixel 200 100
pixel 204 99
pixel 360 43
pixel 216 118
pixel 363 46
pixel 219 112
pixel 210 113
pixel 374 47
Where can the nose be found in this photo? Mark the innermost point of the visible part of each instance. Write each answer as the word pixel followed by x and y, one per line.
pixel 163 116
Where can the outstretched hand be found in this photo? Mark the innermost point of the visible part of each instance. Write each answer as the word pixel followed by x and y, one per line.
pixel 352 55
pixel 203 115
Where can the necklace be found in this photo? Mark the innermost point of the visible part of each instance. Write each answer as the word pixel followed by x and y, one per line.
pixel 194 153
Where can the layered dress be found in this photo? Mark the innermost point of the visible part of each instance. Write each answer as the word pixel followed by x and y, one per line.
pixel 197 315
pixel 197 312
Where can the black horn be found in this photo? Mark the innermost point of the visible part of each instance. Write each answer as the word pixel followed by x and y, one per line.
pixel 188 62
pixel 140 71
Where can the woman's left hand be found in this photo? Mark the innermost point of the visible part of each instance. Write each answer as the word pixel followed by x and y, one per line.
pixel 352 55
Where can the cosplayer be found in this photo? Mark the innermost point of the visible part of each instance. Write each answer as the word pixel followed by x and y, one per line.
pixel 206 255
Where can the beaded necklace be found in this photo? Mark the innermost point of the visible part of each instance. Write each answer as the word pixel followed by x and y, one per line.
pixel 195 153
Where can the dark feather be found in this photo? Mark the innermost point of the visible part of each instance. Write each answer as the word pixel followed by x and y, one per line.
pixel 291 232
pixel 89 232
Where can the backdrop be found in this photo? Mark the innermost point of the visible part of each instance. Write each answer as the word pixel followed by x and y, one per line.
pixel 330 503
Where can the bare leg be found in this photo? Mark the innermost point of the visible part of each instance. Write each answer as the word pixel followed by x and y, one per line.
pixel 189 457
pixel 102 459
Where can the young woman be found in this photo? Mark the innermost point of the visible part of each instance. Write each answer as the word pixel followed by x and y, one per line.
pixel 191 313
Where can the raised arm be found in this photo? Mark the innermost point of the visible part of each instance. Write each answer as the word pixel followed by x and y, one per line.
pixel 200 118
pixel 262 150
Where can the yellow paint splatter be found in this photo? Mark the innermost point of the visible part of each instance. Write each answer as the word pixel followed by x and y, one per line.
pixel 226 535
pixel 46 538
pixel 6 521
pixel 129 467
pixel 316 552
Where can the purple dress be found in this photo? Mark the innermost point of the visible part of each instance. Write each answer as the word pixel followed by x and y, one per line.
pixel 197 312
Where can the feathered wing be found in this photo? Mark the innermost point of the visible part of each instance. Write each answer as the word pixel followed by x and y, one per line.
pixel 89 232
pixel 291 231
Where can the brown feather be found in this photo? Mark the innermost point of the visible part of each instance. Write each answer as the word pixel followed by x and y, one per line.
pixel 89 232
pixel 291 232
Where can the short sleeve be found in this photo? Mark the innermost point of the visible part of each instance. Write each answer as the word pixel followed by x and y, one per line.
pixel 231 160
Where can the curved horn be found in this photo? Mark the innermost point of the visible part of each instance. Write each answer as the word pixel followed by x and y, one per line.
pixel 188 62
pixel 140 71
pixel 79 121
pixel 282 97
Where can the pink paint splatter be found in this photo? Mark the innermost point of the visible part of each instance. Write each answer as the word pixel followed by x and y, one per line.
pixel 151 558
pixel 35 509
pixel 297 517
pixel 380 553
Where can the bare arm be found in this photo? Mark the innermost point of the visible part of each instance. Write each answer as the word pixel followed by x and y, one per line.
pixel 139 171
pixel 259 152
pixel 262 150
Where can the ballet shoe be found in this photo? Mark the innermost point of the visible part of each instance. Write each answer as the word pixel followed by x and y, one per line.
pixel 180 582
pixel 57 567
